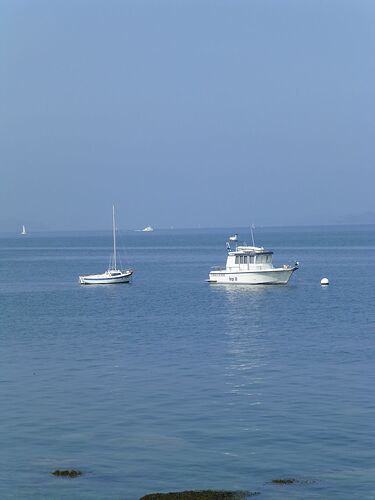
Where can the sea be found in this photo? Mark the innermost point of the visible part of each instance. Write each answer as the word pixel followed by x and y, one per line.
pixel 171 383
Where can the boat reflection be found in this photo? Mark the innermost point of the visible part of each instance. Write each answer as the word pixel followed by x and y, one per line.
pixel 234 291
pixel 246 340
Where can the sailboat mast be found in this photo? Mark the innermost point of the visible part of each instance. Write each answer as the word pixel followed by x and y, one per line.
pixel 114 237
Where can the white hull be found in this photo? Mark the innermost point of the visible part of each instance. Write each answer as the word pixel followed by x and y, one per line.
pixel 106 278
pixel 274 276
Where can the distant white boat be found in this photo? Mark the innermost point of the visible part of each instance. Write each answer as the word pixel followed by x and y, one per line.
pixel 112 275
pixel 234 237
pixel 148 229
pixel 23 230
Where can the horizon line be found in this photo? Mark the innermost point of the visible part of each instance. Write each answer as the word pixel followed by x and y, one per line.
pixel 198 228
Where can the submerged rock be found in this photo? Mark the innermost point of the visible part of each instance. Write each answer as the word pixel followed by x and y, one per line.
pixel 284 481
pixel 293 481
pixel 67 473
pixel 201 495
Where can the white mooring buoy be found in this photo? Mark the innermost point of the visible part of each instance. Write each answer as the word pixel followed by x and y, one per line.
pixel 324 281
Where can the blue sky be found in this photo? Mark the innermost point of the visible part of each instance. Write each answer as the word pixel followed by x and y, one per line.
pixel 186 113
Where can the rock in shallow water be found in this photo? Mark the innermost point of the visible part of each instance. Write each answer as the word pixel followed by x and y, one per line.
pixel 293 481
pixel 201 495
pixel 67 473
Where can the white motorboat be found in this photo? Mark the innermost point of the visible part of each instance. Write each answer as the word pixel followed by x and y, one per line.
pixel 23 230
pixel 251 265
pixel 112 275
pixel 234 237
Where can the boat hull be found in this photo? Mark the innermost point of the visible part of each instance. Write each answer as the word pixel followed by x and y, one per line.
pixel 105 279
pixel 275 276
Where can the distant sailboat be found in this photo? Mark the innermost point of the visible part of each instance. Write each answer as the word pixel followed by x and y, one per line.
pixel 113 275
pixel 23 230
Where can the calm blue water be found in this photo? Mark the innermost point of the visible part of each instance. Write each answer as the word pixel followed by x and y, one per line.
pixel 171 383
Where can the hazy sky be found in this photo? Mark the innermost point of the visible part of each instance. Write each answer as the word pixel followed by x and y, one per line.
pixel 186 113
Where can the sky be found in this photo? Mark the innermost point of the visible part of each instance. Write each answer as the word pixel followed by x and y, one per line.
pixel 186 113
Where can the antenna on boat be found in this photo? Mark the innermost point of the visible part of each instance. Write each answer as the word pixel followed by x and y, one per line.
pixel 252 227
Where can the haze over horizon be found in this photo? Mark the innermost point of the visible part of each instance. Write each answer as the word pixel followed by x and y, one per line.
pixel 12 227
pixel 206 113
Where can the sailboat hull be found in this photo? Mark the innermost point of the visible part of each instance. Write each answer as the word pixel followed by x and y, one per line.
pixel 106 278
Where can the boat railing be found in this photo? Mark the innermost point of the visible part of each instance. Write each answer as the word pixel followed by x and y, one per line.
pixel 217 268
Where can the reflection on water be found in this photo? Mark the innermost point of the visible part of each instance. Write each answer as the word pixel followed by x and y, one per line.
pixel 236 290
pixel 246 350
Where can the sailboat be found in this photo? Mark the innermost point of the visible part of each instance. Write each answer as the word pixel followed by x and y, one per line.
pixel 23 230
pixel 112 275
